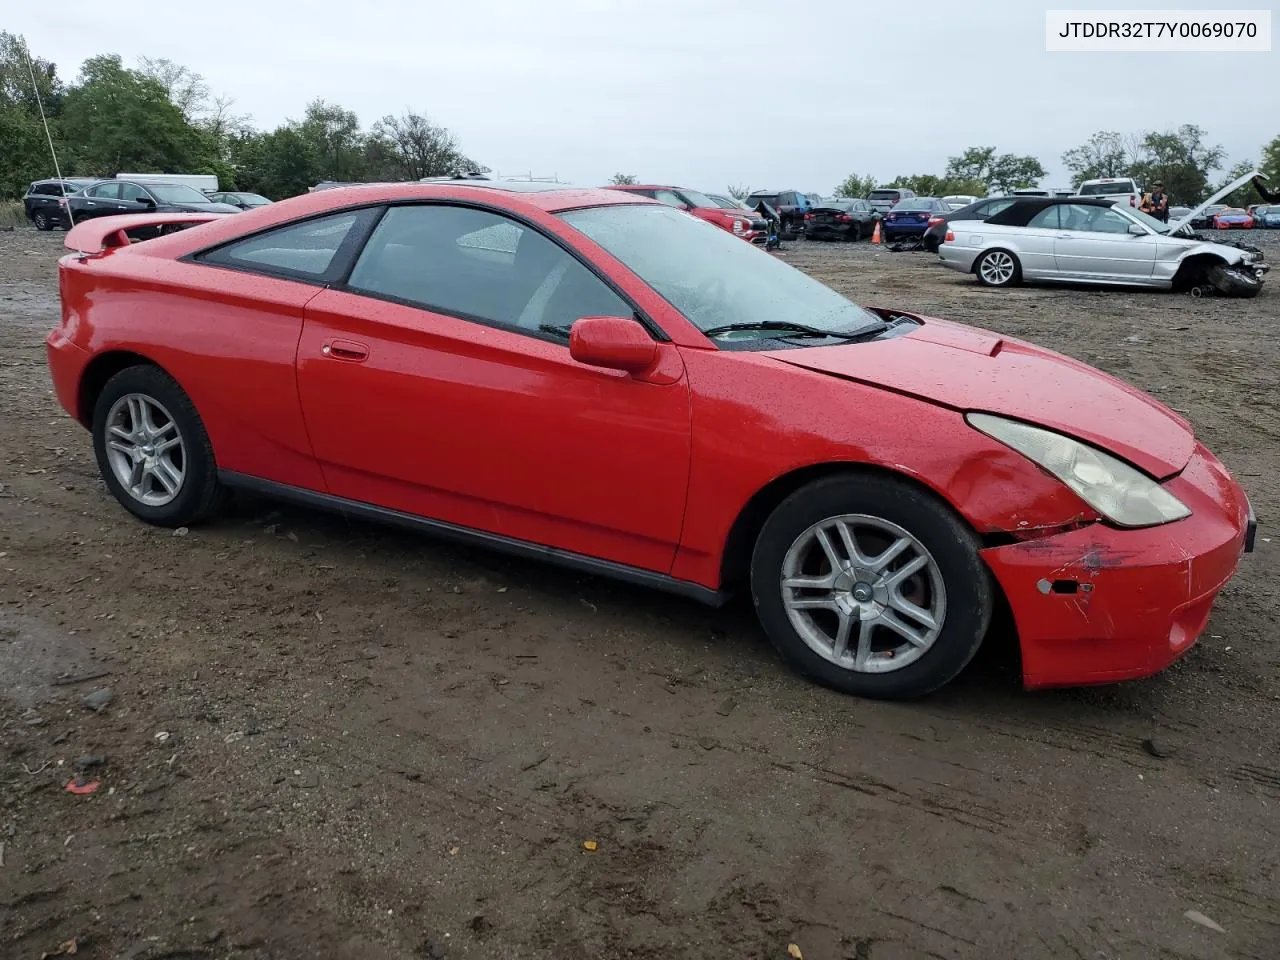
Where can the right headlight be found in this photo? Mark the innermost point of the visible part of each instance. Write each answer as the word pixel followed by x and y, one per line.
pixel 1125 496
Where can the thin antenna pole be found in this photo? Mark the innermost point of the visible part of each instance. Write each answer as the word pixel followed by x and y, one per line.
pixel 35 87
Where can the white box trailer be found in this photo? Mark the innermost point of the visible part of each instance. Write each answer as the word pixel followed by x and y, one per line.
pixel 204 182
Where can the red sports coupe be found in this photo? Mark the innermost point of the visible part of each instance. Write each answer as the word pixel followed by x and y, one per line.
pixel 603 381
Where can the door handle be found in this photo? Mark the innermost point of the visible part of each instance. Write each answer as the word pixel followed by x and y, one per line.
pixel 347 350
pixel 1065 236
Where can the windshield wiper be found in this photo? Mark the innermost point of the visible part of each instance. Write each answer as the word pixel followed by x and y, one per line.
pixel 787 329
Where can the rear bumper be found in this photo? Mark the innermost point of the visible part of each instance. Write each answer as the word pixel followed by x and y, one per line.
pixel 903 229
pixel 67 363
pixel 1101 604
pixel 957 258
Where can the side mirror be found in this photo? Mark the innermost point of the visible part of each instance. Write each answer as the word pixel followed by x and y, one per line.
pixel 1137 229
pixel 615 343
pixel 147 202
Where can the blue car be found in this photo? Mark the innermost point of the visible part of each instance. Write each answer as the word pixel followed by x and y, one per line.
pixel 910 217
pixel 1267 216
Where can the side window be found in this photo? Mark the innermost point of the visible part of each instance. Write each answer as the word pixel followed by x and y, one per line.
pixel 131 191
pixel 995 207
pixel 1048 219
pixel 306 250
pixel 667 197
pixel 106 191
pixel 1078 216
pixel 480 266
pixel 1108 221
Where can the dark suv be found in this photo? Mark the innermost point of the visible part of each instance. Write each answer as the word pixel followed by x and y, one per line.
pixel 42 200
pixel 791 205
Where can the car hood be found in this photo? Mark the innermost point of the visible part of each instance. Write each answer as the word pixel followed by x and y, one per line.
pixel 1229 188
pixel 969 369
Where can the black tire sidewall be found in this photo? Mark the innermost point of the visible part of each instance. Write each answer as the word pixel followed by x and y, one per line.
pixel 968 584
pixel 41 221
pixel 199 484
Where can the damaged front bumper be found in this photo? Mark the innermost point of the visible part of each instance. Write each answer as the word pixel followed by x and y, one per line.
pixel 1100 604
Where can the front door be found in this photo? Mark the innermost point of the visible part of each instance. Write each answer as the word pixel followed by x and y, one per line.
pixel 438 382
pixel 1095 242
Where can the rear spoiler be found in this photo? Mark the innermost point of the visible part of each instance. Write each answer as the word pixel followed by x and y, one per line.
pixel 107 233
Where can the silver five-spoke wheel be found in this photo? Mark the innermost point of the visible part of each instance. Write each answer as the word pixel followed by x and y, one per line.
pixel 863 593
pixel 145 449
pixel 997 268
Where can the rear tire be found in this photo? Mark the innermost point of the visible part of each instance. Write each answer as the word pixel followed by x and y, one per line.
pixel 998 268
pixel 1235 281
pixel 41 220
pixel 839 616
pixel 153 451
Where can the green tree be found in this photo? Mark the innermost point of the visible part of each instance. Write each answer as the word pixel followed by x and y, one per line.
pixel 854 186
pixel 1105 154
pixel 982 166
pixel 1242 196
pixel 118 119
pixel 334 135
pixel 419 148
pixel 287 164
pixel 623 180
pixel 1181 160
pixel 24 147
pixel 1270 166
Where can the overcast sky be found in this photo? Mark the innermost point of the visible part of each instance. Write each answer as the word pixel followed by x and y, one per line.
pixel 685 91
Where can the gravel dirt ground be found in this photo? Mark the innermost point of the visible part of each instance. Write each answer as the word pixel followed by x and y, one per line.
pixel 330 740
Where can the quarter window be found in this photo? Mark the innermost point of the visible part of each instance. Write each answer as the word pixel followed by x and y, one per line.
pixel 306 250
pixel 1050 218
pixel 480 266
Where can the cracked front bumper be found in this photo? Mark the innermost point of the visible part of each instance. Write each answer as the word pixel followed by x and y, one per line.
pixel 1100 604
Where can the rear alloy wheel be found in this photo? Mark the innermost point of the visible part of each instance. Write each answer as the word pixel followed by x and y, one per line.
pixel 41 220
pixel 871 587
pixel 152 449
pixel 998 268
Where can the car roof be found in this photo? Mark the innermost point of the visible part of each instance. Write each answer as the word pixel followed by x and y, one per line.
pixel 1024 208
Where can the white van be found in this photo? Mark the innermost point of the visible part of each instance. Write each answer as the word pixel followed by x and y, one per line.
pixel 204 182
pixel 1119 189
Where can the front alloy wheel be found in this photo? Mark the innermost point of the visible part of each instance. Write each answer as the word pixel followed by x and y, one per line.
pixel 871 585
pixel 863 593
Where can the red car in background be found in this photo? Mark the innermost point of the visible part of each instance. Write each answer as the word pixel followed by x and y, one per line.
pixel 592 378
pixel 1232 217
pixel 741 223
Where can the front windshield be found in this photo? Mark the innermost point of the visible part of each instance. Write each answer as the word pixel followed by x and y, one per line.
pixel 711 276
pixel 176 193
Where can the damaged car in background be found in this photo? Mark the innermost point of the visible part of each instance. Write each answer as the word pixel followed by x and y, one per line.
pixel 1080 240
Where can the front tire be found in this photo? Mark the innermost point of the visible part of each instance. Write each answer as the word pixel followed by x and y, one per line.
pixel 153 451
pixel 871 587
pixel 998 268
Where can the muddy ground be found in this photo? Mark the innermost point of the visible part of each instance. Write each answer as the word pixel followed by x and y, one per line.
pixel 327 740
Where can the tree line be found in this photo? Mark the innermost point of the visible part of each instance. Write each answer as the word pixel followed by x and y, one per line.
pixel 159 116
pixel 1181 159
